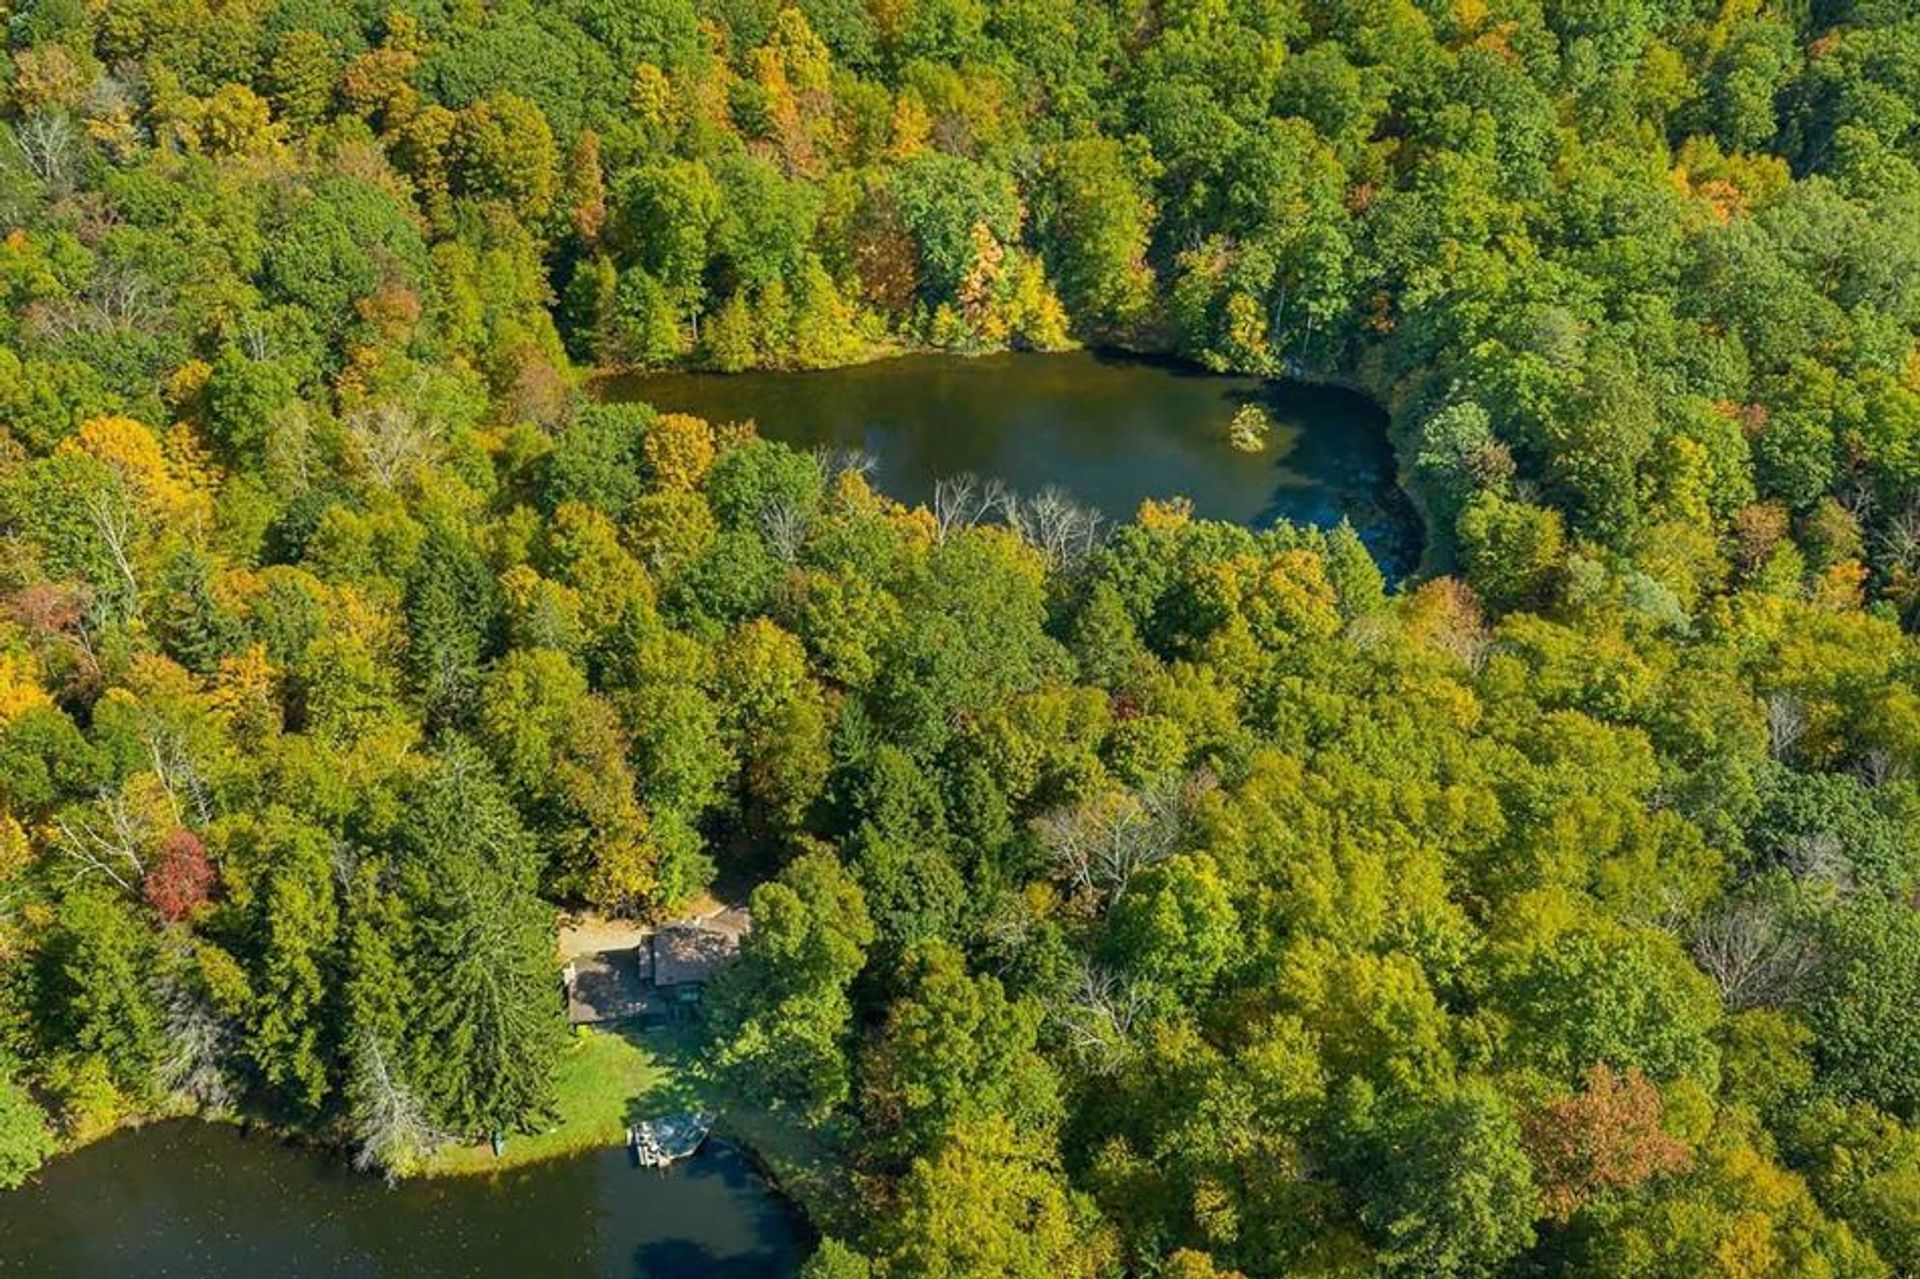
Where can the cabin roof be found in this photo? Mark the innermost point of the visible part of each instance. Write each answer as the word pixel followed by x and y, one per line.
pixel 693 951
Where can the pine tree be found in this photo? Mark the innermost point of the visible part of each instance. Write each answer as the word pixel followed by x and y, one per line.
pixel 452 610
pixel 97 974
pixel 296 922
pixel 385 1113
pixel 488 1017
pixel 729 337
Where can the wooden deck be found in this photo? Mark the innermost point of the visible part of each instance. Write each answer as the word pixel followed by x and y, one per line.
pixel 608 986
pixel 655 1143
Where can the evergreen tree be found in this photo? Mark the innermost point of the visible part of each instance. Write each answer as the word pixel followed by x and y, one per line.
pixel 452 603
pixel 487 1021
pixel 292 1018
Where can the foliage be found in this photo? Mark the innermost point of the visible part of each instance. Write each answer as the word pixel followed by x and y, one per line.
pixel 1186 899
pixel 786 1003
pixel 1604 1139
pixel 25 1141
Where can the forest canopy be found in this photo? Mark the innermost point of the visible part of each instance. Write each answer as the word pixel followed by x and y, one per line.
pixel 1186 900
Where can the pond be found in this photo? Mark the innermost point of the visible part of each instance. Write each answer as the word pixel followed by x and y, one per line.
pixel 200 1200
pixel 1108 430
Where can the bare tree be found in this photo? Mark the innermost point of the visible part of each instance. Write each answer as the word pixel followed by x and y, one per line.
pixel 124 299
pixel 784 526
pixel 174 765
pixel 1007 929
pixel 1898 539
pixel 1098 1018
pixel 292 457
pixel 1665 908
pixel 48 144
pixel 105 840
pixel 114 522
pixel 1861 500
pixel 1098 846
pixel 390 439
pixel 837 462
pixel 254 339
pixel 1786 724
pixel 961 501
pixel 1879 766
pixel 1757 958
pixel 1061 529
pixel 115 95
pixel 1819 857
pixel 390 1125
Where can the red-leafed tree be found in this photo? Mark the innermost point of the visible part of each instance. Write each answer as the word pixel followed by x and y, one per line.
pixel 1603 1138
pixel 180 878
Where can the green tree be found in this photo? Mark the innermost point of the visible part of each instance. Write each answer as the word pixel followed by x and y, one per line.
pixel 97 976
pixel 1510 550
pixel 25 1141
pixel 1176 927
pixel 942 198
pixel 835 1260
pixel 729 339
pixel 300 77
pixel 488 1027
pixel 954 1052
pixel 779 724
pixel 334 247
pixel 291 933
pixel 561 752
pixel 1447 1188
pixel 663 221
pixel 1628 999
pixel 1870 974
pixel 452 606
pixel 504 150
pixel 986 1204
pixel 1096 221
pixel 784 1011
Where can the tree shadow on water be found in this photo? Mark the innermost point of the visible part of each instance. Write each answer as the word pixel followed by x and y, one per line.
pixel 684 1259
pixel 775 1222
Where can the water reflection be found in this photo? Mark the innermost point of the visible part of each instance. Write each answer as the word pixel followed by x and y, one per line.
pixel 1110 431
pixel 199 1200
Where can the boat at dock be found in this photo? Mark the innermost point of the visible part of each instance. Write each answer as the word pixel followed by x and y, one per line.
pixel 655 1143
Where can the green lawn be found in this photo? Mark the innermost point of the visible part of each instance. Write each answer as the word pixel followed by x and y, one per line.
pixel 616 1075
pixel 610 1077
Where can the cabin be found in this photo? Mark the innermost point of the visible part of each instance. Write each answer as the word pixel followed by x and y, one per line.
pixel 685 956
pixel 661 974
pixel 603 986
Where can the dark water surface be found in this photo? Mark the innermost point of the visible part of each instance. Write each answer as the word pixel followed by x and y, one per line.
pixel 1108 430
pixel 195 1200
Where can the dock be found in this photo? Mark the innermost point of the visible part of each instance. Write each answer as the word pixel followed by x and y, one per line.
pixel 655 1143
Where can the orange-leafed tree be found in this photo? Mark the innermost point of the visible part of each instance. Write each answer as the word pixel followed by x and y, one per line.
pixel 1606 1137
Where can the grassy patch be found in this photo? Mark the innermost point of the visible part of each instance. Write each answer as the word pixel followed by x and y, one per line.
pixel 610 1077
pixel 614 1076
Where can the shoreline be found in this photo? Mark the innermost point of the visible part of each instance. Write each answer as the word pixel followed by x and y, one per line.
pixel 776 1150
pixel 212 1198
pixel 250 1128
pixel 1430 556
pixel 591 375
